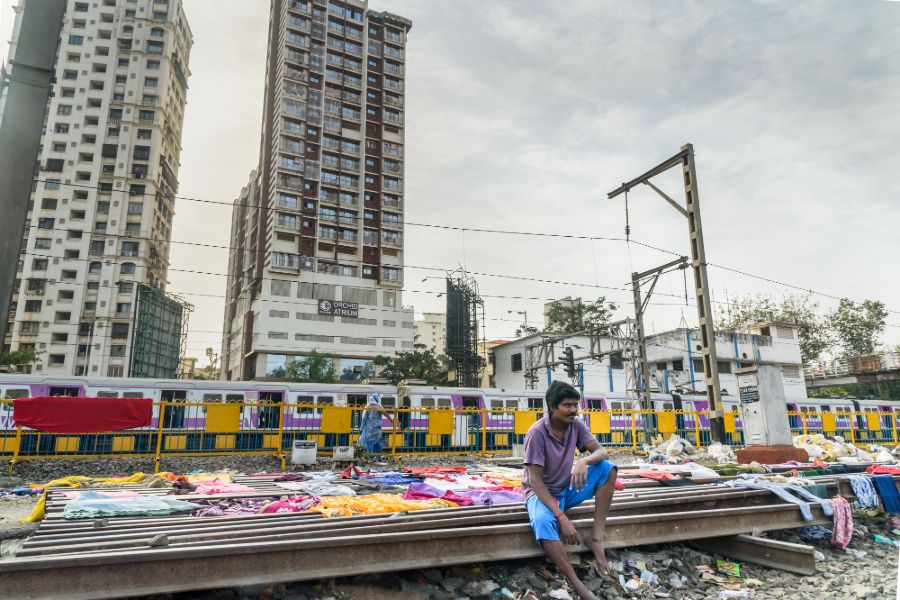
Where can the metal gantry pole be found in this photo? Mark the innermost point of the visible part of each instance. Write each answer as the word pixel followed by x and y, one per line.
pixel 691 211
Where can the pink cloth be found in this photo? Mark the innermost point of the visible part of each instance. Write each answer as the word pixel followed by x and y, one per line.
pixel 109 494
pixel 292 504
pixel 220 486
pixel 646 473
pixel 883 470
pixel 423 491
pixel 843 522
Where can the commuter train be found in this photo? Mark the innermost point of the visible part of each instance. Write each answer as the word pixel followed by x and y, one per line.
pixel 188 409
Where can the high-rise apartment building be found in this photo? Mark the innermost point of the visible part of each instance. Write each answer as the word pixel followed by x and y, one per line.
pixel 95 252
pixel 317 234
pixel 431 332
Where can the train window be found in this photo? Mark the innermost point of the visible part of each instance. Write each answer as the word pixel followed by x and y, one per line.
pixel 64 391
pixel 305 410
pixel 17 393
pixel 235 398
pixel 496 405
pixel 826 409
pixel 595 404
pixel 444 403
pixel 328 400
pixel 512 404
pixel 427 402
pixel 535 403
pixel 388 401
pixel 212 397
pixel 357 399
pixel 134 395
pixel 667 406
pixel 615 405
pixel 107 394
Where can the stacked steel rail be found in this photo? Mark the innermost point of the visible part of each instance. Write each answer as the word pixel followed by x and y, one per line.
pixel 76 559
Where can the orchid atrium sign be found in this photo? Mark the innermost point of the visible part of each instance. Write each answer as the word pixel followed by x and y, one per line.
pixel 339 309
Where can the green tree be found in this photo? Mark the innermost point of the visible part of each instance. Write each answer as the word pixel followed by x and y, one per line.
pixel 857 326
pixel 19 357
pixel 314 368
pixel 526 330
pixel 418 364
pixel 814 329
pixel 575 316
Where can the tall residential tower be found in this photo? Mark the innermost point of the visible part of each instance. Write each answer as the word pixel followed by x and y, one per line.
pixel 317 234
pixel 94 256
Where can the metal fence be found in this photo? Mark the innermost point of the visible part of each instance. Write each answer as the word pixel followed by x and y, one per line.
pixel 210 429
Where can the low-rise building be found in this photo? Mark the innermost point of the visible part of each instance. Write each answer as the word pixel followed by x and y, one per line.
pixel 674 357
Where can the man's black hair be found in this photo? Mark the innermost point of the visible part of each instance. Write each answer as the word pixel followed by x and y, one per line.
pixel 559 391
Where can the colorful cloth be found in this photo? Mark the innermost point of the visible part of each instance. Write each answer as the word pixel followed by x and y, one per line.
pixel 866 497
pixel 227 507
pixel 389 478
pixel 423 491
pixel 883 470
pixel 317 488
pixel 491 497
pixel 342 506
pixel 432 470
pixel 291 504
pixel 109 494
pixel 92 505
pixel 843 522
pixel 219 486
pixel 78 481
pixel 647 474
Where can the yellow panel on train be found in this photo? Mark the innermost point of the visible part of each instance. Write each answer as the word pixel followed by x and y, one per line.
pixel 223 417
pixel 440 422
pixel 524 420
pixel 600 422
pixel 336 419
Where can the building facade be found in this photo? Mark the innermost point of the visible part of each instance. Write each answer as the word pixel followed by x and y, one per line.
pixel 317 233
pixel 431 331
pixel 674 357
pixel 100 212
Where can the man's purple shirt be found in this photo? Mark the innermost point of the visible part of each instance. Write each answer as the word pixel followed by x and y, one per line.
pixel 541 448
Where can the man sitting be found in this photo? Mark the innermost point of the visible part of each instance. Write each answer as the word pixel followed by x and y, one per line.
pixel 553 484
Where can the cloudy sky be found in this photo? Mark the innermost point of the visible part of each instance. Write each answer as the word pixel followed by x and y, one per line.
pixel 522 115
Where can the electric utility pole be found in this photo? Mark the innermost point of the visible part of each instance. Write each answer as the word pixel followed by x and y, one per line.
pixel 691 212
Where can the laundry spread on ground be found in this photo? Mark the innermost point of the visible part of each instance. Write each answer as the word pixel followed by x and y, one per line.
pixel 91 505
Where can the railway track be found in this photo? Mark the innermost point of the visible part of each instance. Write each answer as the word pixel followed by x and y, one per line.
pixel 75 559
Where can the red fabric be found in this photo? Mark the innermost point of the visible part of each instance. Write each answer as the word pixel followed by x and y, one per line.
pixel 62 414
pixel 883 470
pixel 646 473
pixel 431 470
pixel 618 485
pixel 350 472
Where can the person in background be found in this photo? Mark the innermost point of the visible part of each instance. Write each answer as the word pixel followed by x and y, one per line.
pixel 370 424
pixel 554 483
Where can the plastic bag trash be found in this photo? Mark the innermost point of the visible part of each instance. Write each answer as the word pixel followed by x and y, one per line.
pixel 632 584
pixel 734 594
pixel 732 569
pixel 884 456
pixel 649 577
pixel 675 581
pixel 818 556
pixel 857 554
pixel 560 594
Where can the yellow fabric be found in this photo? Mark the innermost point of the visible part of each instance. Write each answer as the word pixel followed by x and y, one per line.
pixel 502 479
pixel 373 504
pixel 78 481
pixel 199 477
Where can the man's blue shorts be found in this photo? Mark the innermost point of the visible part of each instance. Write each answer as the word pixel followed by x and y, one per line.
pixel 545 525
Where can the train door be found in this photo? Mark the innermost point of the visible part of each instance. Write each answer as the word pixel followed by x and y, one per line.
pixel 677 404
pixel 885 416
pixel 358 403
pixel 468 422
pixel 174 415
pixel 268 410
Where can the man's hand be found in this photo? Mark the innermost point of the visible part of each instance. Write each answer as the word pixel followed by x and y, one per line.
pixel 567 531
pixel 579 478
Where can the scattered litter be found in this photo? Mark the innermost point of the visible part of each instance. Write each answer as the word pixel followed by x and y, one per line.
pixel 819 556
pixel 732 569
pixel 649 577
pixel 724 594
pixel 560 594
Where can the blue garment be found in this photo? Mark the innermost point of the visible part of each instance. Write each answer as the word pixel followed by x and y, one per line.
pixel 370 426
pixel 92 504
pixel 544 524
pixel 864 491
pixel 887 489
pixel 783 491
pixel 391 478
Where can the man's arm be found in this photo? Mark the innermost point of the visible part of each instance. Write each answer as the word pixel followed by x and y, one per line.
pixel 580 471
pixel 536 481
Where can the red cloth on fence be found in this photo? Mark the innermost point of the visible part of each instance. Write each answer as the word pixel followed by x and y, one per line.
pixel 62 414
pixel 883 470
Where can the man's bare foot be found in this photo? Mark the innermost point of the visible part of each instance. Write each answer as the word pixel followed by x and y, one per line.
pixel 599 551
